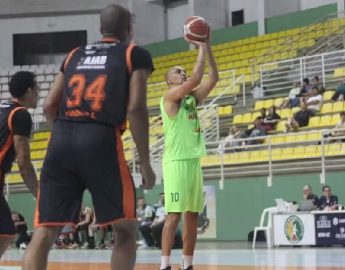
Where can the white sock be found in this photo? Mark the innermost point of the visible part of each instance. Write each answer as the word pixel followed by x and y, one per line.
pixel 187 261
pixel 165 261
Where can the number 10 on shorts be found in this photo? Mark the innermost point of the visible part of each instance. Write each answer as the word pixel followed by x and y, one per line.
pixel 175 197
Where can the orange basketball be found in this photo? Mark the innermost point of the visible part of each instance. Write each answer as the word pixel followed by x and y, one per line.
pixel 196 28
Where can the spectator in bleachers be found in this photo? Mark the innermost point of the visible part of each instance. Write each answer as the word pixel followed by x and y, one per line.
pixel 339 94
pixel 314 101
pixel 317 83
pixel 293 99
pixel 337 132
pixel 299 119
pixel 256 131
pixel 309 195
pixel 271 120
pixel 328 201
pixel 234 133
pixel 22 238
pixel 86 218
pixel 306 88
pixel 263 112
pixel 145 216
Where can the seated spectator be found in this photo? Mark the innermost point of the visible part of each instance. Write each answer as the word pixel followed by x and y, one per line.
pixel 293 99
pixel 158 224
pixel 83 227
pixel 256 131
pixel 339 130
pixel 314 101
pixel 145 216
pixel 306 88
pixel 22 238
pixel 328 201
pixel 263 112
pixel 234 133
pixel 339 92
pixel 308 195
pixel 271 120
pixel 299 119
pixel 317 83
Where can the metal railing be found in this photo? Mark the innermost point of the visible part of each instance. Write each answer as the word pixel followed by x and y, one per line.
pixel 288 71
pixel 266 156
pixel 302 38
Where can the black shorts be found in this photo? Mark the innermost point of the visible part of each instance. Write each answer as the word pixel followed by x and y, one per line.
pixel 7 228
pixel 84 155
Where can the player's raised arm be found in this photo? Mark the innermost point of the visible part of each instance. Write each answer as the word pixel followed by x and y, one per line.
pixel 178 92
pixel 206 87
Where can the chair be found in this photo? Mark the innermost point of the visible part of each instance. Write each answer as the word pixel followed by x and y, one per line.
pixel 266 228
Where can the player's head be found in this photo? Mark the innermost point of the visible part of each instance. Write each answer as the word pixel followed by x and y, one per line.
pixel 176 76
pixel 116 21
pixel 23 87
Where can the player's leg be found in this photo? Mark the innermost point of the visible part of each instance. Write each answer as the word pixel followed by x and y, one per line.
pixel 7 229
pixel 124 252
pixel 36 256
pixel 194 206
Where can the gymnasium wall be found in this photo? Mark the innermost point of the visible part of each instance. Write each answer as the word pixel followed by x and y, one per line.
pixel 238 205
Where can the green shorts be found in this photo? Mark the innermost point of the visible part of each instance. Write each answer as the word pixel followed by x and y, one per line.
pixel 183 186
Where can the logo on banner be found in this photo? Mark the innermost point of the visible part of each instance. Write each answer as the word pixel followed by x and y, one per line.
pixel 324 223
pixel 335 221
pixel 294 229
pixel 340 235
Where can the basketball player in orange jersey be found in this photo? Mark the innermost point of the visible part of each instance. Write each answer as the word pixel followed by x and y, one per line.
pixel 15 129
pixel 99 86
pixel 183 147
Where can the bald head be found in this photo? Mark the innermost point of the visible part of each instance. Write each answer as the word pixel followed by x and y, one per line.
pixel 116 21
pixel 175 76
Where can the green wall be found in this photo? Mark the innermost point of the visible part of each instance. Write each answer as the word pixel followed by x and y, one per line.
pixel 239 204
pixel 298 19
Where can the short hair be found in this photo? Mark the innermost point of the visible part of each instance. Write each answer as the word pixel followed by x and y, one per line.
pixel 140 198
pixel 115 21
pixel 20 83
pixel 326 186
pixel 316 78
pixel 342 113
pixel 306 80
pixel 162 193
pixel 315 87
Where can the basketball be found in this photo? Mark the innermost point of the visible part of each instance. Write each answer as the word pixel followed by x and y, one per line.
pixel 196 28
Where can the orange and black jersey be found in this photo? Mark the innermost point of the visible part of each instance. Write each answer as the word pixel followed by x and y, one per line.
pixel 14 120
pixel 96 86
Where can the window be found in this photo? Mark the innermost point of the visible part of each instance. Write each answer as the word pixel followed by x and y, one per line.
pixel 45 48
pixel 237 17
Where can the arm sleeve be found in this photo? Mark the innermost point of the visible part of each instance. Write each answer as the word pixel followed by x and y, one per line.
pixel 141 59
pixel 22 123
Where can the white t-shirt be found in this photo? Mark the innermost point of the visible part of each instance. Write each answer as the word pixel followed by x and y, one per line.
pixel 314 107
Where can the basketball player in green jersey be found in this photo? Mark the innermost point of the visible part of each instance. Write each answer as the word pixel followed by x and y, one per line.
pixel 184 145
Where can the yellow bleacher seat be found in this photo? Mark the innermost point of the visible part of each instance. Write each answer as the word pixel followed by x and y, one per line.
pixel 335 119
pixel 287 153
pixel 290 138
pixel 14 178
pixel 328 95
pixel 314 121
pixel 281 126
pixel 285 113
pixel 255 115
pixel 310 151
pixel 278 102
pixel 339 73
pixel 243 157
pixel 298 152
pixel 268 103
pixel 259 104
pixel 326 120
pixel 338 106
pixel 327 108
pixel 247 118
pixel 277 154
pixel 300 137
pixel 333 149
pixel 278 139
pixel 238 119
pixel 314 136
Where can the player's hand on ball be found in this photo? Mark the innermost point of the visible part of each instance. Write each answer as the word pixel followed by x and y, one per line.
pixel 149 177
